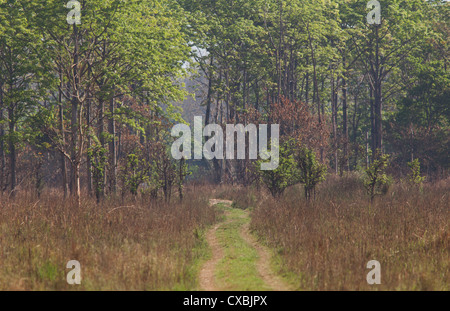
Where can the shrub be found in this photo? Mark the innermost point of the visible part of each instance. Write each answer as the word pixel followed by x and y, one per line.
pixel 414 176
pixel 284 176
pixel 298 164
pixel 310 171
pixel 376 181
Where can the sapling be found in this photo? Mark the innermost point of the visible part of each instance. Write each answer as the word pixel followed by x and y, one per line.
pixel 376 181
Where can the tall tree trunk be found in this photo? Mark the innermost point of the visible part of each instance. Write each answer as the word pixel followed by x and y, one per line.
pixel 367 150
pixel 112 148
pixel 100 171
pixel 181 178
pixel 208 98
pixel 334 120
pixel 280 47
pixel 378 119
pixel 244 89
pixel 355 125
pixel 76 182
pixel 12 146
pixel 378 98
pixel 89 145
pixel 307 85
pixel 344 115
pixel 209 116
pixel 2 143
pixel 63 138
pixel 322 106
pixel 75 165
pixel 316 96
pixel 372 122
pixel 256 95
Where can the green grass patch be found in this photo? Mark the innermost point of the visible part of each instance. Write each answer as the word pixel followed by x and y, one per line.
pixel 237 270
pixel 200 253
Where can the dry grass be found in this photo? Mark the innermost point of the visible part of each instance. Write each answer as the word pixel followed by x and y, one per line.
pixel 154 246
pixel 242 197
pixel 141 246
pixel 326 245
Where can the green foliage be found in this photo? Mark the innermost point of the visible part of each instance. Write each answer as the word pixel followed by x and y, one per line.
pixel 135 172
pixel 126 60
pixel 414 176
pixel 311 171
pixel 163 171
pixel 183 172
pixel 48 271
pixel 298 164
pixel 23 64
pixel 99 154
pixel 284 175
pixel 155 172
pixel 376 181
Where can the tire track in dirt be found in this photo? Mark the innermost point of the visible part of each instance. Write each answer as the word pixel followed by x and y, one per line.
pixel 263 265
pixel 207 273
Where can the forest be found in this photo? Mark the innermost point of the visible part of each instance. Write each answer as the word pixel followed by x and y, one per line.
pixel 90 91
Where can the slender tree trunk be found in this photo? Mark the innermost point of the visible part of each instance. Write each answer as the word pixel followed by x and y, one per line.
pixel 322 106
pixel 112 149
pixel 367 150
pixel 316 96
pixel 99 183
pixel 355 132
pixel 372 122
pixel 378 98
pixel 2 143
pixel 89 145
pixel 344 116
pixel 378 119
pixel 208 116
pixel 181 177
pixel 63 138
pixel 334 120
pixel 307 86
pixel 208 98
pixel 257 95
pixel 75 166
pixel 12 146
pixel 280 52
pixel 76 182
pixel 244 88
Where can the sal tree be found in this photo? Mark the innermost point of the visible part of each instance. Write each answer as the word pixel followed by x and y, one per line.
pixel 130 50
pixel 24 77
pixel 384 50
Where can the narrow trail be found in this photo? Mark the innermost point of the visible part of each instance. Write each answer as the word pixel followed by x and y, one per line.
pixel 208 273
pixel 272 280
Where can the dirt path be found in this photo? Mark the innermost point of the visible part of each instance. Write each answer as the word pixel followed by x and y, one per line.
pixel 207 273
pixel 207 278
pixel 270 278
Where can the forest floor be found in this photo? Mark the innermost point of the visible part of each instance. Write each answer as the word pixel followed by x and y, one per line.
pixel 238 261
